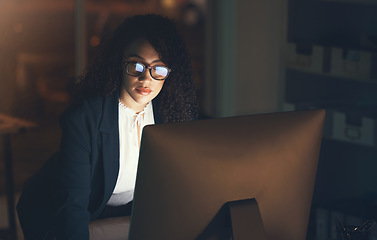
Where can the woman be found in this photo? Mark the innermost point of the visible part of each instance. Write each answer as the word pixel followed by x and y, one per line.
pixel 143 76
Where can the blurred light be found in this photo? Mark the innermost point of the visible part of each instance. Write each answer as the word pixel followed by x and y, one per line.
pixel 168 3
pixel 191 17
pixel 18 27
pixel 94 41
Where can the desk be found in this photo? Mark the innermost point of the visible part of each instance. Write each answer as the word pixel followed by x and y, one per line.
pixel 10 125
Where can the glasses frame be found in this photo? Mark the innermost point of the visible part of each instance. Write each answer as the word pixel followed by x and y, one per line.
pixel 144 69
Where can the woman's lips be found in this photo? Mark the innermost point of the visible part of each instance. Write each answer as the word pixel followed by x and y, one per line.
pixel 143 90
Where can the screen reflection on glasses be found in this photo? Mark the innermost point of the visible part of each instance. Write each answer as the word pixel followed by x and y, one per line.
pixel 136 69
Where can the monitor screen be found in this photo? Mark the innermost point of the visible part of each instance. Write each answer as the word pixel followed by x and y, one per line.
pixel 188 171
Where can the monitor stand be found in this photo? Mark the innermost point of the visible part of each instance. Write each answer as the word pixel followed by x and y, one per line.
pixel 239 220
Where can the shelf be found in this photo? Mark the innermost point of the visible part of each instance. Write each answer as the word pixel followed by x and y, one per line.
pixel 346 170
pixel 340 25
pixel 343 77
pixel 324 90
pixel 362 2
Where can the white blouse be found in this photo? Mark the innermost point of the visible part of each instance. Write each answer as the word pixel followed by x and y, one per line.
pixel 129 141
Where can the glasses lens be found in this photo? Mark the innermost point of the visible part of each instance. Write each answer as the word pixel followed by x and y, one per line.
pixel 160 72
pixel 135 68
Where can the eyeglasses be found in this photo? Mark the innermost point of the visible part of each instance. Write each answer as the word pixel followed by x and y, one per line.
pixel 136 69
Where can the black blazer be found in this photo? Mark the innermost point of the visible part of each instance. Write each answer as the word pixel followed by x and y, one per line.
pixel 75 184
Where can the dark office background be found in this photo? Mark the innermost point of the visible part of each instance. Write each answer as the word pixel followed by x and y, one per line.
pixel 38 67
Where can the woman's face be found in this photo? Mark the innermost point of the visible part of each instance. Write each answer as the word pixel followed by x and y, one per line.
pixel 137 92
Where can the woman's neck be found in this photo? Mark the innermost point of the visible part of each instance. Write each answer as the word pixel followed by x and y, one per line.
pixel 136 108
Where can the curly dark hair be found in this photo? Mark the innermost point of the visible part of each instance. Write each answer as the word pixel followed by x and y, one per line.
pixel 177 100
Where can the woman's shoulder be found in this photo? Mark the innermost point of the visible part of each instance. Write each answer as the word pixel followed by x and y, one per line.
pixel 87 108
pixel 84 104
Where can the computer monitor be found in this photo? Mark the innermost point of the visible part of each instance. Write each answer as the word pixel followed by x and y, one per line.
pixel 188 171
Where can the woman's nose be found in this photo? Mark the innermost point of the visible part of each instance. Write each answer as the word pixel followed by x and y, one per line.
pixel 146 76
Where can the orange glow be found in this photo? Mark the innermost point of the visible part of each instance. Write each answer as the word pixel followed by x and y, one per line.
pixel 168 3
pixel 94 41
pixel 18 27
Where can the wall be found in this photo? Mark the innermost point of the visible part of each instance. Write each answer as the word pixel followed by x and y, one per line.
pixel 260 39
pixel 245 41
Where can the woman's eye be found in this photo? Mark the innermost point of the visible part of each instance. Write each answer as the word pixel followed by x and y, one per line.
pixel 139 67
pixel 160 70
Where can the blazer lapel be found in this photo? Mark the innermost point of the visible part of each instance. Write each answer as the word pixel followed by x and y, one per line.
pixel 157 117
pixel 109 131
